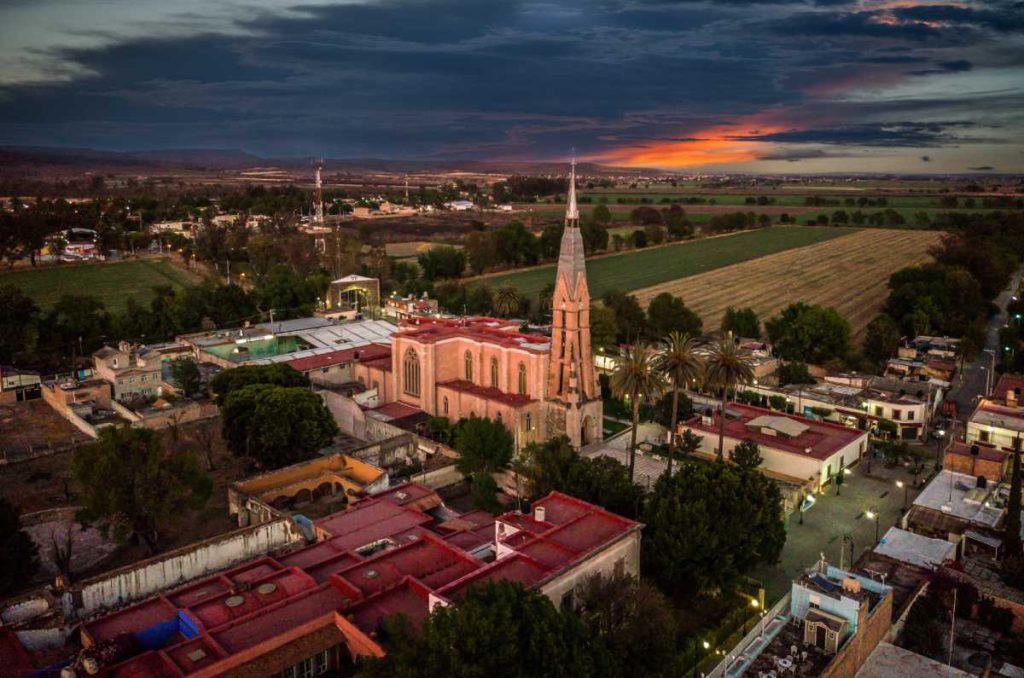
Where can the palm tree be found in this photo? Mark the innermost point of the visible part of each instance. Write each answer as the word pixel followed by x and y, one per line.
pixel 680 364
pixel 507 301
pixel 636 379
pixel 727 368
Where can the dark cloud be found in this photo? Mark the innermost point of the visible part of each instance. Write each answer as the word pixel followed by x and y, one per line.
pixel 522 79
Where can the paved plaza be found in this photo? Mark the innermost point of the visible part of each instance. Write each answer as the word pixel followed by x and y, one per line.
pixel 831 517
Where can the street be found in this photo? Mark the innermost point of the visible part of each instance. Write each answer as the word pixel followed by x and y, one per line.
pixel 973 379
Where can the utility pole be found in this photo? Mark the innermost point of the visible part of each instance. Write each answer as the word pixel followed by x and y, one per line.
pixel 952 630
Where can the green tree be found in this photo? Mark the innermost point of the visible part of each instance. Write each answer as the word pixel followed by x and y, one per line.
pixel 667 313
pixel 507 301
pixel 483 490
pixel 277 374
pixel 726 369
pixel 484 446
pixel 442 262
pixel 629 316
pixel 601 215
pixel 794 373
pixel 708 525
pixel 881 338
pixel 603 327
pixel 186 375
pixel 636 380
pixel 19 335
pixel 498 629
pixel 746 454
pixel 133 487
pixel 634 622
pixel 742 322
pixel 19 555
pixel 682 365
pixel 813 334
pixel 276 425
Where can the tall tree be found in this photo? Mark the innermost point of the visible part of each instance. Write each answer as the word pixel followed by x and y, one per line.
pixel 637 380
pixel 507 301
pixel 707 525
pixel 278 374
pixel 603 327
pixel 746 454
pixel 133 487
pixel 742 322
pixel 727 368
pixel 808 333
pixel 881 338
pixel 497 629
pixel 634 622
pixel 19 555
pixel 484 445
pixel 629 316
pixel 19 334
pixel 186 373
pixel 683 366
pixel 667 313
pixel 276 425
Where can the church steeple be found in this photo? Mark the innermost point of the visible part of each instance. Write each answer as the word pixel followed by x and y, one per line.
pixel 573 379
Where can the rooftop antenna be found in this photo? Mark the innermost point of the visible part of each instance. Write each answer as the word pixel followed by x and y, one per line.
pixel 406 189
pixel 318 196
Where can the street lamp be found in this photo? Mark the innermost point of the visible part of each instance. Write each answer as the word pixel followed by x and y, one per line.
pixel 939 435
pixel 906 489
pixel 871 515
pixel 754 604
pixel 706 645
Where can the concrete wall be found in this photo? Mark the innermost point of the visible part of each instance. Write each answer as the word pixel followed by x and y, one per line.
pixel 176 567
pixel 624 554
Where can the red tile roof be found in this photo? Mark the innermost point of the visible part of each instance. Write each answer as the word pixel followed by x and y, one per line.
pixel 1008 382
pixel 820 440
pixel 361 354
pixel 484 330
pixel 486 392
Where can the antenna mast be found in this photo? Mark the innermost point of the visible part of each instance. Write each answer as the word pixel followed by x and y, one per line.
pixel 318 195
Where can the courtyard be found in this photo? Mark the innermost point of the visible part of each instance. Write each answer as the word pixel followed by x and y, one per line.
pixel 832 517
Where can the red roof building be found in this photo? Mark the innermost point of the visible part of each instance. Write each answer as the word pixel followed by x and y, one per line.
pixel 321 606
pixel 797 448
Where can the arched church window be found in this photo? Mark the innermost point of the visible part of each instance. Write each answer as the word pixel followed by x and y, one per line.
pixel 494 372
pixel 411 373
pixel 522 379
pixel 469 366
pixel 444 406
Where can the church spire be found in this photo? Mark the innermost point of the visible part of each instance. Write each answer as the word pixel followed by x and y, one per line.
pixel 572 212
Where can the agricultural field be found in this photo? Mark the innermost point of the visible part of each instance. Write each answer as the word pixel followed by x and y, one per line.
pixel 848 273
pixel 657 265
pixel 112 283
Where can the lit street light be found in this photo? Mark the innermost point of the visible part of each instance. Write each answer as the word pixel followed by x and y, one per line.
pixel 906 489
pixel 871 515
pixel 754 604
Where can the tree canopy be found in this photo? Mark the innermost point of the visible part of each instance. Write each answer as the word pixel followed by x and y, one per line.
pixel 667 313
pixel 276 425
pixel 709 524
pixel 498 629
pixel 484 445
pixel 881 338
pixel 277 374
pixel 807 333
pixel 133 487
pixel 629 316
pixel 19 555
pixel 746 454
pixel 742 322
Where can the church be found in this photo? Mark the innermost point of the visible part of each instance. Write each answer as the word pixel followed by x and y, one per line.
pixel 538 387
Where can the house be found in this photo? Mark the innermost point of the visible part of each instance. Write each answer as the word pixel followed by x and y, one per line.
pixel 410 306
pixel 18 384
pixel 795 448
pixel 132 371
pixel 829 625
pixel 460 205
pixel 315 609
pixel 977 459
pixel 999 419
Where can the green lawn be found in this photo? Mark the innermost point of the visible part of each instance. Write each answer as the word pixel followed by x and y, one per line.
pixel 112 283
pixel 642 268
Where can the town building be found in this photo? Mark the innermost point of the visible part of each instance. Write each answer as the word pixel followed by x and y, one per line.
pixel 18 384
pixel 828 625
pixel 132 371
pixel 977 459
pixel 313 610
pixel 410 306
pixel 999 419
pixel 794 448
pixel 351 295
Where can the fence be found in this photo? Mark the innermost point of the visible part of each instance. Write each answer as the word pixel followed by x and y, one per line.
pixel 753 643
pixel 16 455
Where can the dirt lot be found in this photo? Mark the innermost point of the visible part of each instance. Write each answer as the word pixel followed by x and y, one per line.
pixel 45 483
pixel 31 425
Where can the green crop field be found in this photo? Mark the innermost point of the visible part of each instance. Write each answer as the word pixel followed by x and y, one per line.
pixel 111 283
pixel 643 268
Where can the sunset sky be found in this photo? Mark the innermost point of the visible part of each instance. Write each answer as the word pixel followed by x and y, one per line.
pixel 743 85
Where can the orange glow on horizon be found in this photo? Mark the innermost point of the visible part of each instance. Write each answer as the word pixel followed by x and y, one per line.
pixel 711 146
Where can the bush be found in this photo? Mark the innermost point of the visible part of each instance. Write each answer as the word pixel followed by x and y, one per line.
pixel 777 403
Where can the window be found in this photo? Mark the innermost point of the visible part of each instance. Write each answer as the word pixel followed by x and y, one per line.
pixel 469 366
pixel 444 405
pixel 522 379
pixel 311 666
pixel 879 412
pixel 983 436
pixel 910 415
pixel 411 373
pixel 529 422
pixel 897 414
pixel 494 372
